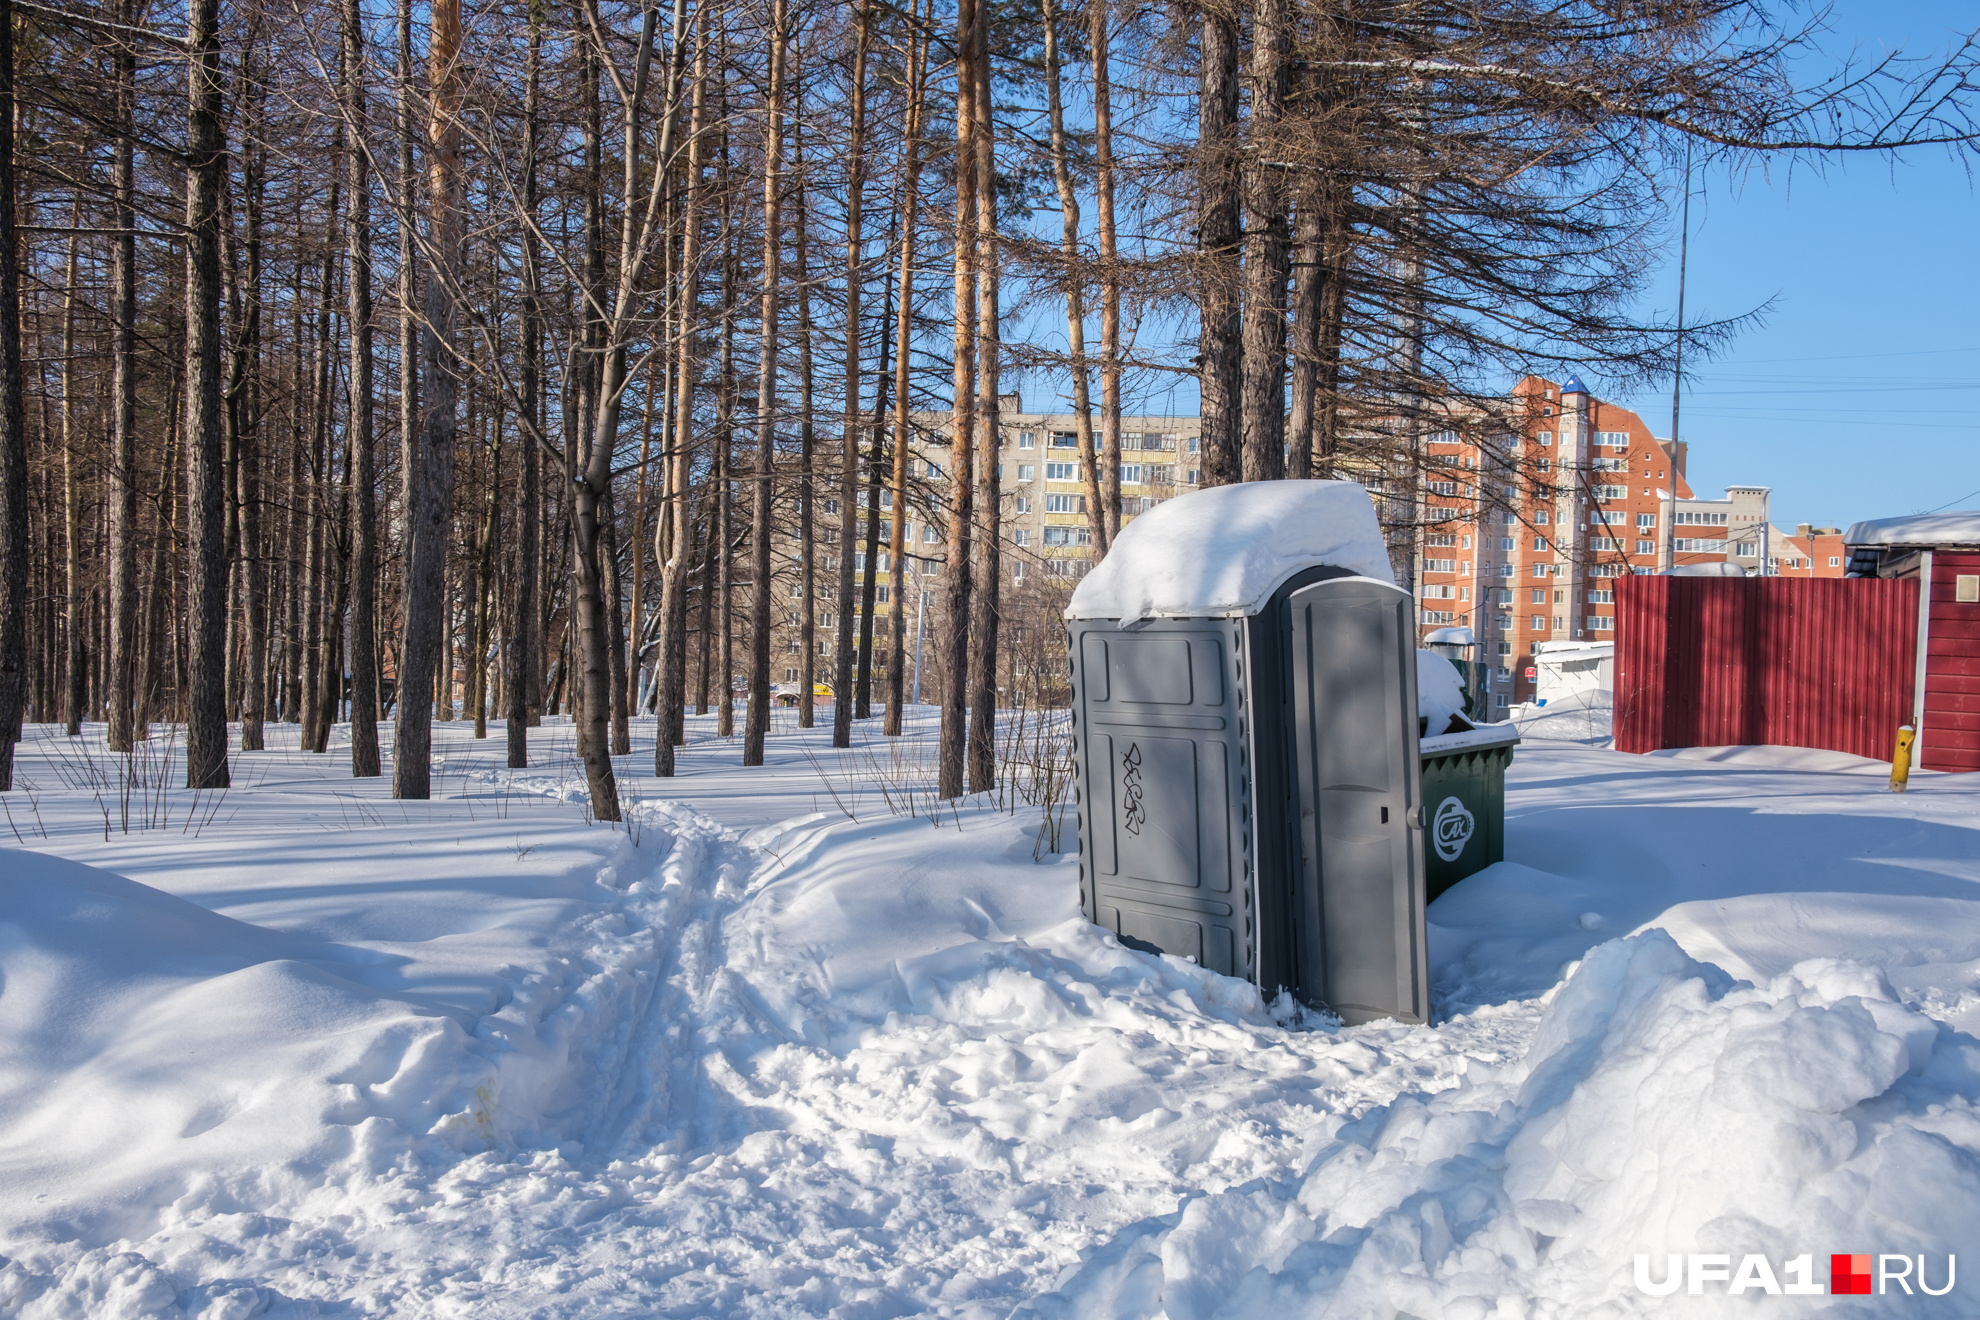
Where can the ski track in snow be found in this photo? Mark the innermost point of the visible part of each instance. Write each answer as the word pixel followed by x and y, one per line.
pixel 875 1068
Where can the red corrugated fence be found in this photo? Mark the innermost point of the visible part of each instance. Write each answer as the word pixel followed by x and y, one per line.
pixel 1791 662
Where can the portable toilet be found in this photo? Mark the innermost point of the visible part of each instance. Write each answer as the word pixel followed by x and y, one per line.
pixel 1246 745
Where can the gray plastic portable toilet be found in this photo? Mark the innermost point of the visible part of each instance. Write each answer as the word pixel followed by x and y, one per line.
pixel 1244 705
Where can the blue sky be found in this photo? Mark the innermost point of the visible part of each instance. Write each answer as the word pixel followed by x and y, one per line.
pixel 1859 395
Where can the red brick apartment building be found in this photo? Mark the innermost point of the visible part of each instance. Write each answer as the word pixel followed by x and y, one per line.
pixel 1526 532
pixel 1808 552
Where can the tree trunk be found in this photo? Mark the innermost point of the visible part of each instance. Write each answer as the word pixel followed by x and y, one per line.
pixel 124 644
pixel 365 763
pixel 429 474
pixel 525 640
pixel 756 725
pixel 807 666
pixel 76 688
pixel 1110 274
pixel 842 597
pixel 1075 289
pixel 673 580
pixel 1220 362
pixel 206 587
pixel 876 485
pixel 903 338
pixel 246 407
pixel 13 435
pixel 956 572
pixel 987 584
pixel 1309 287
pixel 1268 249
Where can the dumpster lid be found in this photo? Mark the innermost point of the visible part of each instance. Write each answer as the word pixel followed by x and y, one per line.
pixel 1224 550
pixel 1505 734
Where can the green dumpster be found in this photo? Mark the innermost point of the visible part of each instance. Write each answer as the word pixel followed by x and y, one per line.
pixel 1464 802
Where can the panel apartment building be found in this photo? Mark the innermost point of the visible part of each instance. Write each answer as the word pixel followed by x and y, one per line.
pixel 1043 512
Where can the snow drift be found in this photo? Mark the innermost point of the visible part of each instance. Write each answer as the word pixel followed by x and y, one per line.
pixel 1661 1107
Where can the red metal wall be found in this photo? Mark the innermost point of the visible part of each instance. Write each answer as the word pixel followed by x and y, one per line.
pixel 1952 669
pixel 1792 662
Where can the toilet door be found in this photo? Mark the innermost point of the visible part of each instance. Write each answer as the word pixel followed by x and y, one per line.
pixel 1360 901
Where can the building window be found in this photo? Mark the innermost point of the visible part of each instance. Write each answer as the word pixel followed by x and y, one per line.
pixel 1438 616
pixel 1195 474
pixel 1440 591
pixel 928 533
pixel 1023 504
pixel 1130 474
pixel 1539 543
pixel 1747 549
pixel 1559 623
pixel 934 470
pixel 1022 536
pixel 1835 561
pixel 1194 442
pixel 1065 504
pixel 1692 545
pixel 1061 472
pixel 1612 492
pixel 1645 521
pixel 1540 517
pixel 1537 623
pixel 1443 487
pixel 1505 648
pixel 1440 565
pixel 1440 538
pixel 1700 517
pixel 1613 439
pixel 1604 543
pixel 1506 570
pixel 1547 437
pixel 1646 547
pixel 1064 440
pixel 790 675
pixel 1539 595
pixel 1027 472
pixel 1017 571
pixel 1601 598
pixel 1601 623
pixel 1506 544
pixel 830 506
pixel 883 594
pixel 1539 570
pixel 1026 440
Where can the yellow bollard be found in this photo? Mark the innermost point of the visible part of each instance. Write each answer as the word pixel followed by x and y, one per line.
pixel 1901 758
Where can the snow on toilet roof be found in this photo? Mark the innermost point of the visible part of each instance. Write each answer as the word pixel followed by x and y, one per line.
pixel 1224 550
pixel 1955 527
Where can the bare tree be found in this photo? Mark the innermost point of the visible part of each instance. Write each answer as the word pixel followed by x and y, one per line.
pixel 206 498
pixel 429 451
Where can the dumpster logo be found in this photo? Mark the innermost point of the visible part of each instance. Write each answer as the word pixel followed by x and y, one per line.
pixel 1452 828
pixel 1133 814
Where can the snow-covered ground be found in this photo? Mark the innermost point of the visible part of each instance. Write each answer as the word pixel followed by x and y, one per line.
pixel 776 1049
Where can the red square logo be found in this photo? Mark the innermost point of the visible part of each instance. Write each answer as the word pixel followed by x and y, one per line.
pixel 1849 1274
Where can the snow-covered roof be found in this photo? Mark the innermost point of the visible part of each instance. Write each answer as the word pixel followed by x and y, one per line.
pixel 1450 637
pixel 1958 527
pixel 1224 550
pixel 1703 570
